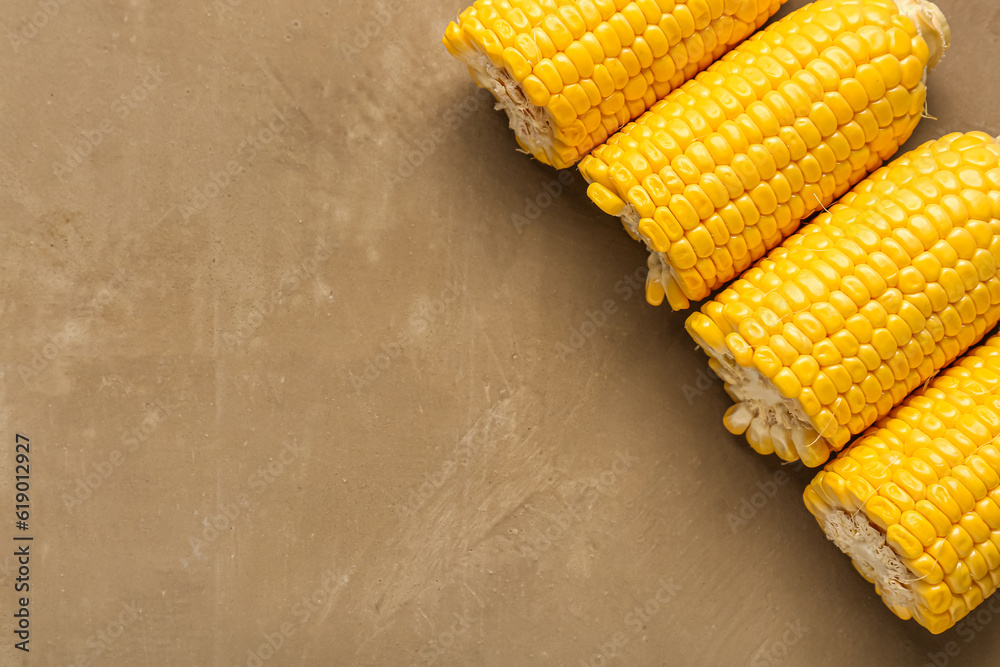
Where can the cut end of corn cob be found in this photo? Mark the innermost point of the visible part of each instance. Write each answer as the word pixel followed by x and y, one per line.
pixel 534 126
pixel 730 163
pixel 873 558
pixel 863 305
pixel 914 502
pixel 931 24
pixel 772 421
pixel 571 73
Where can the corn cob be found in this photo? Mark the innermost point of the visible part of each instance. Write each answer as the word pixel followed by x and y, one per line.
pixel 569 73
pixel 861 306
pixel 915 502
pixel 730 163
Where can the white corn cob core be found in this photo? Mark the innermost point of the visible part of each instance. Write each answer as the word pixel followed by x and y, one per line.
pixel 931 24
pixel 875 560
pixel 765 414
pixel 533 125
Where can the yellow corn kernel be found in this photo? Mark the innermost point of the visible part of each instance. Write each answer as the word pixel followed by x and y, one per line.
pixel 903 541
pixel 927 568
pixel 607 200
pixel 918 526
pixel 882 512
pixel 959 581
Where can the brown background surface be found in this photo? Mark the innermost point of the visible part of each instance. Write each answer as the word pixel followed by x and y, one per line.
pixel 154 328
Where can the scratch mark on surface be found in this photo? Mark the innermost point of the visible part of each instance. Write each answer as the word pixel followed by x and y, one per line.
pixel 505 469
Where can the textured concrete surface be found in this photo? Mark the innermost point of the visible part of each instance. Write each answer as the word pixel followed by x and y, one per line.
pixel 294 401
